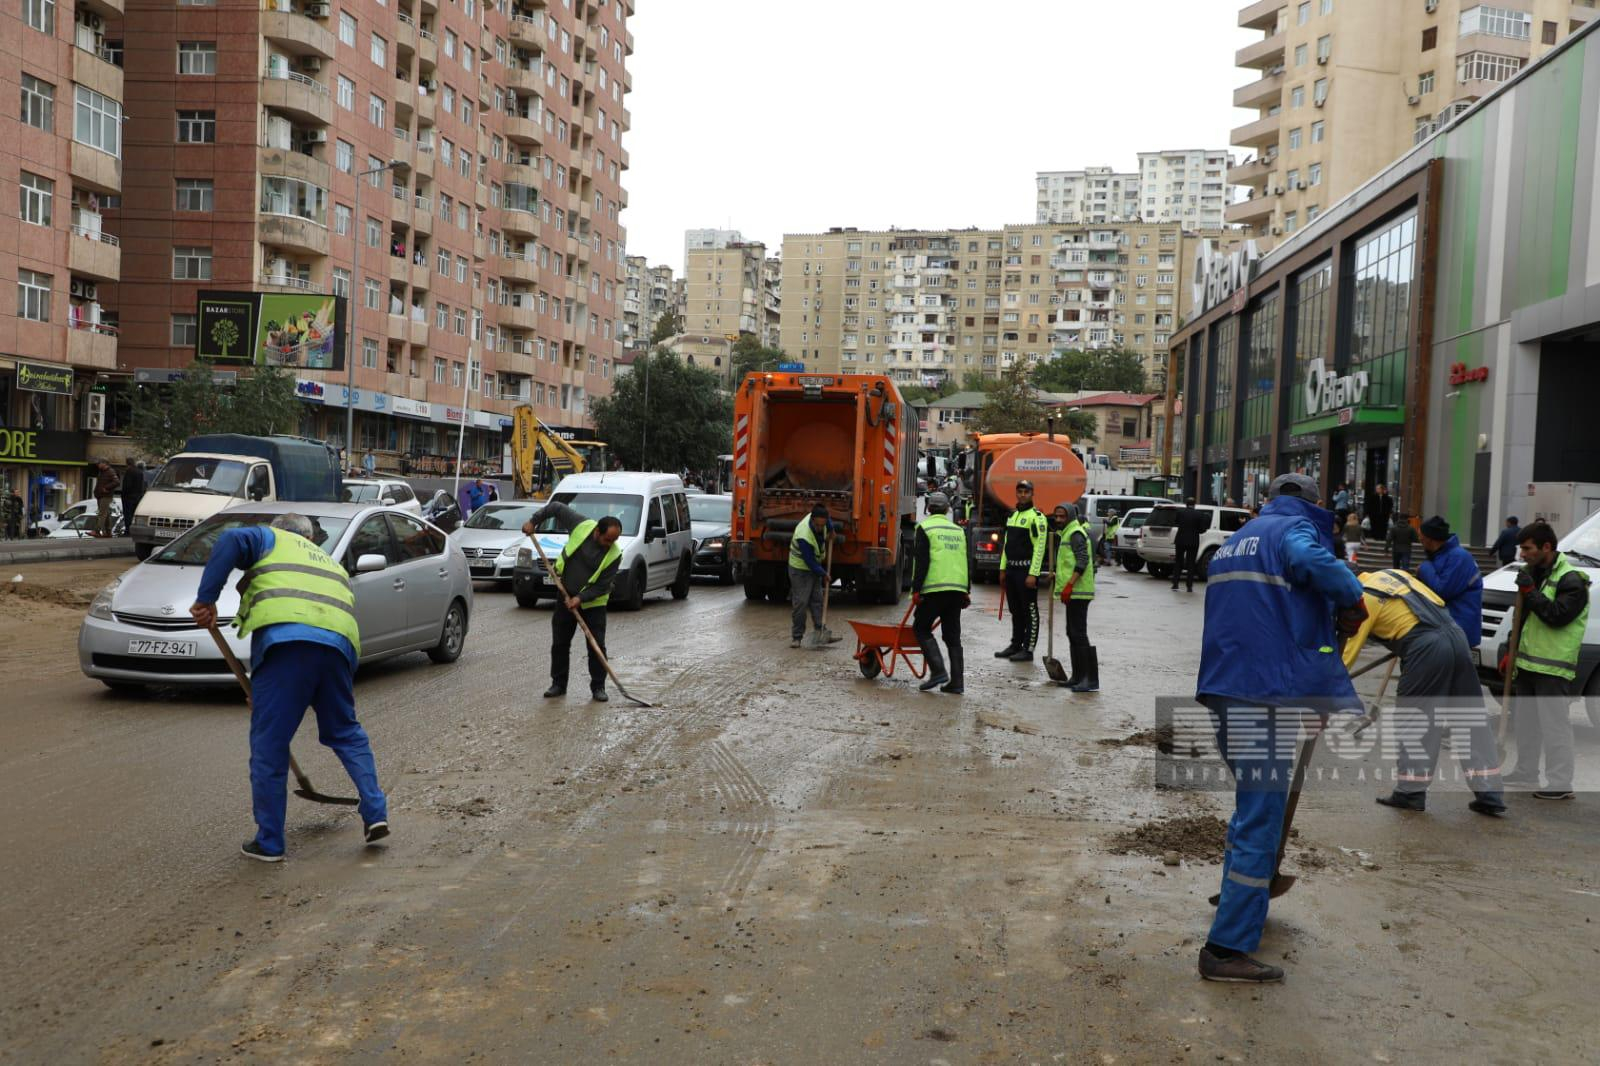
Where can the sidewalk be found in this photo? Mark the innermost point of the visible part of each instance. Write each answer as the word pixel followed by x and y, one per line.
pixel 44 549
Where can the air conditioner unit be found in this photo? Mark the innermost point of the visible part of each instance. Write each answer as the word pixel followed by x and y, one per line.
pixel 311 64
pixel 278 269
pixel 1302 185
pixel 94 412
pixel 318 11
pixel 1413 100
pixel 91 20
pixel 1322 61
pixel 316 136
pixel 1279 191
pixel 83 290
pixel 1321 101
pixel 1431 6
pixel 1277 230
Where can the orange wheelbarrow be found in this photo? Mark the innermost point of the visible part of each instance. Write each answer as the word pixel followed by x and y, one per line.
pixel 879 645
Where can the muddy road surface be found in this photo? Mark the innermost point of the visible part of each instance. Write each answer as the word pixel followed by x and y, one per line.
pixel 783 862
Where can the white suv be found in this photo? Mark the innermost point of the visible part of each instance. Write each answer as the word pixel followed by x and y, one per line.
pixel 1158 538
pixel 389 491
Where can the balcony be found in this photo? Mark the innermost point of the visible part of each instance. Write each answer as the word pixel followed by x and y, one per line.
pixel 100 171
pixel 1261 93
pixel 287 163
pixel 399 327
pixel 290 283
pixel 400 209
pixel 399 269
pixel 1262 133
pixel 92 346
pixel 422 216
pixel 289 231
pixel 1261 15
pixel 104 8
pixel 1263 54
pixel 405 94
pixel 424 161
pixel 427 48
pixel 519 222
pixel 405 32
pixel 524 130
pixel 526 31
pixel 519 317
pixel 427 106
pixel 94 70
pixel 298 95
pixel 297 33
pixel 521 80
pixel 94 255
pixel 479 248
pixel 417 330
pixel 1253 212
pixel 520 269
pixel 421 277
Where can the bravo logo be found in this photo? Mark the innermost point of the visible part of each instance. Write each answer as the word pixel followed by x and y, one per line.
pixel 1328 390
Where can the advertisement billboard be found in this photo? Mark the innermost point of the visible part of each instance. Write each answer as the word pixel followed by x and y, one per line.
pixel 296 329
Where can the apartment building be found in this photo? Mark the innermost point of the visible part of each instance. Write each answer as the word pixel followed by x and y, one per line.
pixel 63 171
pixel 1344 87
pixel 701 240
pixel 772 302
pixel 725 291
pixel 931 305
pixel 1186 186
pixel 647 298
pixel 453 171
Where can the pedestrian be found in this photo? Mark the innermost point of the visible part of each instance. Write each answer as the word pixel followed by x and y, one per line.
pixel 1352 536
pixel 1341 502
pixel 11 509
pixel 1379 510
pixel 587 566
pixel 1267 651
pixel 132 489
pixel 1555 609
pixel 1505 545
pixel 1439 689
pixel 1021 560
pixel 299 613
pixel 369 463
pixel 106 487
pixel 940 591
pixel 1191 523
pixel 1402 535
pixel 1074 587
pixel 808 577
pixel 1108 538
pixel 1452 572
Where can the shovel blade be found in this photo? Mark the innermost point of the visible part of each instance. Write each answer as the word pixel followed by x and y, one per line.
pixel 317 797
pixel 1054 668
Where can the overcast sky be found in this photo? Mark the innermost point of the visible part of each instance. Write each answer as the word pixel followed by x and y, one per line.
pixel 778 116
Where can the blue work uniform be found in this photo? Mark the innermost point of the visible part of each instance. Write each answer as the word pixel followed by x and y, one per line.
pixel 1453 574
pixel 292 666
pixel 1269 643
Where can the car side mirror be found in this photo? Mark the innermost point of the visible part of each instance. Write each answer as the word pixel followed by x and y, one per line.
pixel 655 533
pixel 371 563
pixel 388 501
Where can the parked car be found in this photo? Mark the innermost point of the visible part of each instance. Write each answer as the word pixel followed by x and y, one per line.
pixel 84 525
pixel 389 491
pixel 1126 550
pixel 412 594
pixel 1582 548
pixel 50 523
pixel 1158 536
pixel 1092 508
pixel 711 520
pixel 491 538
pixel 657 542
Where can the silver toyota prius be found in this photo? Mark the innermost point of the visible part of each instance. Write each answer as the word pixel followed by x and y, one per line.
pixel 412 592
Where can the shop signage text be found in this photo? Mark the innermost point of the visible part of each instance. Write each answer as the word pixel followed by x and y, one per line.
pixel 453 414
pixel 44 447
pixel 1460 373
pixel 307 389
pixel 36 377
pixel 413 408
pixel 1328 390
pixel 145 375
pixel 1218 277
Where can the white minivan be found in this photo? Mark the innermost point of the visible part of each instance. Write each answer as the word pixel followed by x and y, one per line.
pixel 657 541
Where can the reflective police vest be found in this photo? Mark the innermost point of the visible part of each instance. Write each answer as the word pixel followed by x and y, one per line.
pixel 1037 527
pixel 803 534
pixel 1544 649
pixel 947 555
pixel 575 540
pixel 297 582
pixel 1067 562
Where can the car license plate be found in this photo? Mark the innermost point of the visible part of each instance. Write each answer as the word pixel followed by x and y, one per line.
pixel 183 648
pixel 1477 656
pixel 481 568
pixel 165 534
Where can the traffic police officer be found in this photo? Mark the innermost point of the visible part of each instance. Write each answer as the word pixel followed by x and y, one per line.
pixel 940 591
pixel 1021 559
pixel 296 606
pixel 1269 643
pixel 1074 587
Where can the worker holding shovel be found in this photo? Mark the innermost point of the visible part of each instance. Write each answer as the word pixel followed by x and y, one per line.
pixel 585 568
pixel 296 606
pixel 940 591
pixel 808 577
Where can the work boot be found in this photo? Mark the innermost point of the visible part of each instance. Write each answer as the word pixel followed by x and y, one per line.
pixel 555 690
pixel 1006 652
pixel 376 831
pixel 1555 794
pixel 957 670
pixel 936 671
pixel 1080 663
pixel 1517 777
pixel 1090 682
pixel 1488 803
pixel 1219 964
pixel 251 850
pixel 795 642
pixel 1404 801
pixel 598 694
pixel 1021 655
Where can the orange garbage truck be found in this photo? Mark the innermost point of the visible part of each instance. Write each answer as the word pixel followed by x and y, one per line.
pixel 846 441
pixel 991 470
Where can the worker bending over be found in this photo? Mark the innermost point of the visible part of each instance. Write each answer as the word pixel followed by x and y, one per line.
pixel 808 577
pixel 1021 560
pixel 940 592
pixel 587 567
pixel 1439 690
pixel 1074 587
pixel 296 607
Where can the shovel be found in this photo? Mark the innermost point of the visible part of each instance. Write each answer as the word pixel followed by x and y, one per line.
pixel 1511 672
pixel 1052 665
pixel 594 645
pixel 305 791
pixel 821 638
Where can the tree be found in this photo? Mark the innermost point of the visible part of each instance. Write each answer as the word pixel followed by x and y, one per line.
pixel 225 334
pixel 1110 371
pixel 1011 406
pixel 976 381
pixel 1078 425
pixel 668 325
pixel 749 354
pixel 687 420
pixel 164 416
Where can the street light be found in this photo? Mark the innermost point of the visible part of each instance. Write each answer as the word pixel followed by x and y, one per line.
pixel 360 235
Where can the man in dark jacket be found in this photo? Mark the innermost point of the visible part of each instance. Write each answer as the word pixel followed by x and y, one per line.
pixel 1379 509
pixel 132 489
pixel 1505 545
pixel 1402 535
pixel 106 487
pixel 586 566
pixel 1452 573
pixel 1191 523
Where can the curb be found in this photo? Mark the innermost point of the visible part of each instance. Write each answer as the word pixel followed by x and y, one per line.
pixel 62 551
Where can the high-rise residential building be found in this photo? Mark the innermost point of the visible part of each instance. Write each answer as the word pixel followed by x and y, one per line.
pixel 1344 87
pixel 58 324
pixel 927 305
pixel 772 302
pixel 454 170
pixel 724 291
pixel 647 297
pixel 700 240
pixel 1186 186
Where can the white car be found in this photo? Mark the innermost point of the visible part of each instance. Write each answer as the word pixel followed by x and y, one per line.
pixel 1126 550
pixel 84 525
pixel 491 538
pixel 387 491
pixel 1158 538
pixel 89 508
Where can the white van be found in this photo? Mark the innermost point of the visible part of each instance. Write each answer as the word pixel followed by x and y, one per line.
pixel 1092 508
pixel 657 542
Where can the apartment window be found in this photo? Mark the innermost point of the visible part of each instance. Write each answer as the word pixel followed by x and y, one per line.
pixel 1325 47
pixel 1293 179
pixel 288 196
pixel 1325 7
pixel 1487 66
pixel 438 370
pixel 374 171
pixel 1291 222
pixel 347 28
pixel 185 330
pixel 98 121
pixel 1294 138
pixel 197 57
pixel 1430 38
pixel 450 43
pixel 369 353
pixel 1311 213
pixel 1314 174
pixel 1303 13
pixel 1548 33
pixel 341 282
pixel 377 111
pixel 461 269
pixel 441 316
pixel 36 197
pixel 38 103
pixel 457 373
pixel 195 194
pixel 197 127
pixel 1425 83
pixel 1496 22
pixel 346 93
pixel 1301 55
pixel 344 157
pixel 41 15
pixel 1317 130
pixel 1297 97
pixel 380 51
pixel 341 219
pixel 1319 90
pixel 374 232
pixel 191 263
pixel 442 262
pixel 461 322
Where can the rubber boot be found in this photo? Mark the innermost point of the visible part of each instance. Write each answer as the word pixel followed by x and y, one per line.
pixel 1091 675
pixel 957 672
pixel 936 672
pixel 1080 662
pixel 1006 652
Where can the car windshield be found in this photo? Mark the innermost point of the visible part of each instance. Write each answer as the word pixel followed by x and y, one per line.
pixel 1163 516
pixel 1135 520
pixel 197 473
pixel 710 509
pixel 1584 542
pixel 362 492
pixel 501 516
pixel 194 547
pixel 625 508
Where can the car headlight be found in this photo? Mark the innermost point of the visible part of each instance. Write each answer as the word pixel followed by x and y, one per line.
pixel 101 606
pixel 714 544
pixel 511 551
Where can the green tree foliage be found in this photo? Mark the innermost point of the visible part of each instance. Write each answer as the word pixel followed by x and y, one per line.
pixel 1110 371
pixel 262 403
pixel 976 381
pixel 668 325
pixel 688 416
pixel 1011 406
pixel 1079 425
pixel 749 354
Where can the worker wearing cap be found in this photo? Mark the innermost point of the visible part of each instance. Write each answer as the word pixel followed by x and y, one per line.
pixel 1021 560
pixel 1074 587
pixel 1108 539
pixel 808 577
pixel 1269 649
pixel 1452 573
pixel 940 592
pixel 1439 689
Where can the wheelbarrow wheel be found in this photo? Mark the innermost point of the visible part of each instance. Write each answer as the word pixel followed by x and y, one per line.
pixel 871 665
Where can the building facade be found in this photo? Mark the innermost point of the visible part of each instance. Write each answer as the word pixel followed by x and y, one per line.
pixel 1434 331
pixel 647 297
pixel 931 305
pixel 1343 87
pixel 1186 186
pixel 702 240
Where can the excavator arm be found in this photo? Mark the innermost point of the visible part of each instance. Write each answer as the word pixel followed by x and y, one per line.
pixel 532 440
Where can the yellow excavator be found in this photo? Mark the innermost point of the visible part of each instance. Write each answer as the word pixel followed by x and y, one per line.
pixel 541 457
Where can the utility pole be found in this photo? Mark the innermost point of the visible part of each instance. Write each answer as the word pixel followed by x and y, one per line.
pixel 359 232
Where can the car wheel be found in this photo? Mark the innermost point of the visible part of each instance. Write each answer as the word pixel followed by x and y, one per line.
pixel 453 637
pixel 124 688
pixel 1133 565
pixel 680 587
pixel 527 599
pixel 1204 565
pixel 634 601
pixel 726 577
pixel 754 591
pixel 1160 570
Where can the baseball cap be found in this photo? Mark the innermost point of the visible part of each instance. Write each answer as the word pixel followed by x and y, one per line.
pixel 1294 485
pixel 1025 484
pixel 938 501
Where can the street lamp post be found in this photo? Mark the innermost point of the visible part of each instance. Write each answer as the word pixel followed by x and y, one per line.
pixel 359 228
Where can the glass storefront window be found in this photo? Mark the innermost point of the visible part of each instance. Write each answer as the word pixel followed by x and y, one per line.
pixel 1257 476
pixel 1224 346
pixel 1260 372
pixel 1308 463
pixel 1381 274
pixel 1308 323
